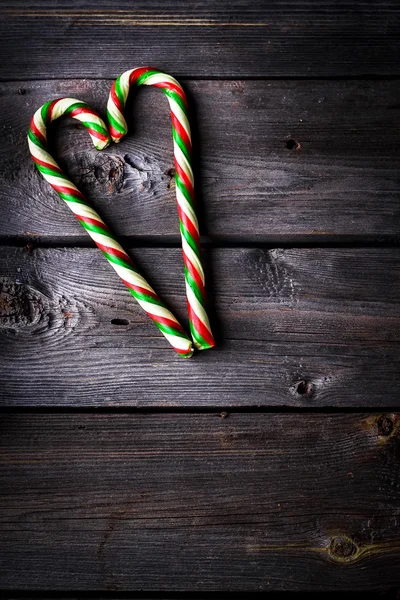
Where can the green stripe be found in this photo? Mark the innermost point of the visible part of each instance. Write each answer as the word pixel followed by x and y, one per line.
pixel 48 171
pixel 183 188
pixel 151 300
pixel 72 198
pixel 119 92
pixel 77 105
pixel 44 111
pixel 142 79
pixel 176 97
pixel 171 331
pixel 96 228
pixel 146 298
pixel 189 238
pixel 193 286
pixel 118 261
pixel 36 140
pixel 196 336
pixel 95 126
pixel 181 144
pixel 118 126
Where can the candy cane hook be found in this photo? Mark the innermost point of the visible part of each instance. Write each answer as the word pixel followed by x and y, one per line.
pixel 194 274
pixel 91 220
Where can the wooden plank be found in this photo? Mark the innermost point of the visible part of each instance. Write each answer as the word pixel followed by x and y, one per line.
pixel 211 38
pixel 250 502
pixel 300 327
pixel 342 182
pixel 105 595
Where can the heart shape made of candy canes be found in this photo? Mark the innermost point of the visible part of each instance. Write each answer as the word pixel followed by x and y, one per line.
pixel 202 337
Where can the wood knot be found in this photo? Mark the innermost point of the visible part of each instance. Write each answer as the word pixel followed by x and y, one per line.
pixel 146 172
pixel 237 87
pixel 170 173
pixel 102 170
pixel 385 425
pixel 19 305
pixel 303 388
pixel 343 548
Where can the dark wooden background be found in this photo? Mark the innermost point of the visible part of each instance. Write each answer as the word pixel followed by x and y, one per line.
pixel 272 462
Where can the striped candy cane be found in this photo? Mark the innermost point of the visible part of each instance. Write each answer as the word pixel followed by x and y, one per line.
pixel 194 274
pixel 89 218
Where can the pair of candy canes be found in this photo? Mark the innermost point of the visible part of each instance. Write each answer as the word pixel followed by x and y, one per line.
pixel 202 337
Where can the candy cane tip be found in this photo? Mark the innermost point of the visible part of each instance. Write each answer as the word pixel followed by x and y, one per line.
pixel 204 346
pixel 101 145
pixel 186 353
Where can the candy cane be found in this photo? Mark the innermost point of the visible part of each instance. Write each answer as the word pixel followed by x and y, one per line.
pixel 194 274
pixel 91 220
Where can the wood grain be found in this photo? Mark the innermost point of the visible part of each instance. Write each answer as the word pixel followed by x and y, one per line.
pixel 199 502
pixel 300 327
pixel 342 183
pixel 295 117
pixel 207 39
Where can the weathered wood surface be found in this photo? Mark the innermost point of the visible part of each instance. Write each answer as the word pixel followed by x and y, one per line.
pixel 342 183
pixel 109 502
pixel 215 595
pixel 199 502
pixel 300 327
pixel 207 39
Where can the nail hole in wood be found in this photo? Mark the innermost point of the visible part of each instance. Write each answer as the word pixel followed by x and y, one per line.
pixel 304 388
pixel 119 322
pixel 293 145
pixel 170 172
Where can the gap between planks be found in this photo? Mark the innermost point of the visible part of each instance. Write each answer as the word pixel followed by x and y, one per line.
pixel 268 243
pixel 222 411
